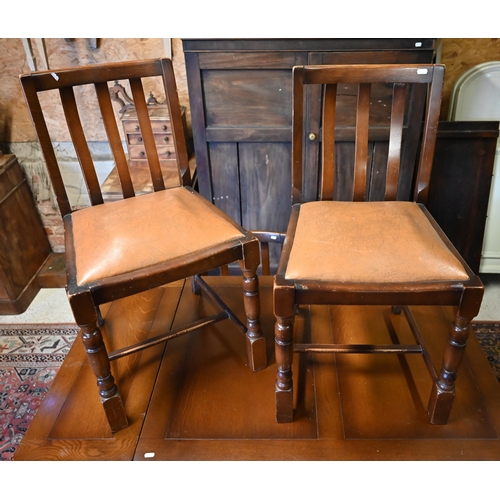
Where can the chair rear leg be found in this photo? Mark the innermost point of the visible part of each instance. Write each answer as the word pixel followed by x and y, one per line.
pixel 443 391
pixel 256 342
pixel 88 321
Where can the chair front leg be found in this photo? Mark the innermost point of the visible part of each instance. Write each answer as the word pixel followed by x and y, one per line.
pixel 443 391
pixel 88 321
pixel 256 342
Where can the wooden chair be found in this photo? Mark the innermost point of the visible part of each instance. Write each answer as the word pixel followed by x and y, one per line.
pixel 387 252
pixel 117 249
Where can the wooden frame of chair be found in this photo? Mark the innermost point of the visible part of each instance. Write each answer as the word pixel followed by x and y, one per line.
pixel 85 298
pixel 465 294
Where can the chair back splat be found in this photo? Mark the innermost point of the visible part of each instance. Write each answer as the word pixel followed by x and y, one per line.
pixel 353 178
pixel 71 85
pixel 388 251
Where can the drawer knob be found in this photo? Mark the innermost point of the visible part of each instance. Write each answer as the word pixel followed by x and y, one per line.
pixel 167 153
pixel 312 136
pixel 142 153
pixel 166 139
pixel 137 127
pixel 164 127
pixel 140 139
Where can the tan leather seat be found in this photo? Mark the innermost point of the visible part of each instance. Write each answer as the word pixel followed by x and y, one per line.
pixel 144 231
pixel 378 242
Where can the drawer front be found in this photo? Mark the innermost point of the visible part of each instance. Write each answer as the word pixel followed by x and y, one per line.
pixel 139 152
pixel 159 127
pixel 160 139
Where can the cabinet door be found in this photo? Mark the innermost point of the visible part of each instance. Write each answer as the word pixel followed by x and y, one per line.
pixel 241 108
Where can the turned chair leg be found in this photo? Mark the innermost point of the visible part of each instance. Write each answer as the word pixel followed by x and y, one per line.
pixel 88 321
pixel 443 391
pixel 256 342
pixel 283 335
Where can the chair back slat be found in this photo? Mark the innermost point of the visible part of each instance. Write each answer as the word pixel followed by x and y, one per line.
pixel 361 142
pixel 395 141
pixel 80 143
pixel 328 142
pixel 101 77
pixel 429 139
pixel 147 133
pixel 367 126
pixel 43 135
pixel 104 99
pixel 174 107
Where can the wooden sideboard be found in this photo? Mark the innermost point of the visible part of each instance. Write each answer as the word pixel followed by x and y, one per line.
pixel 240 94
pixel 24 246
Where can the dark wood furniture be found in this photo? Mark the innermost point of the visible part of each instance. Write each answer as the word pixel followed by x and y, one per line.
pixel 460 183
pixel 365 252
pixel 240 94
pixel 118 249
pixel 24 246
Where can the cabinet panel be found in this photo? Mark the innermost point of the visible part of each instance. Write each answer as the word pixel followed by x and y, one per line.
pixel 225 178
pixel 248 60
pixel 252 45
pixel 265 180
pixel 380 57
pixel 247 98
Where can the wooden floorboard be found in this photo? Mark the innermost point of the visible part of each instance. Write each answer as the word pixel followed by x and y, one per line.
pixel 196 399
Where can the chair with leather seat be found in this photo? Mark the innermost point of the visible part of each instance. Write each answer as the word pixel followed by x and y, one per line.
pixel 124 247
pixel 361 251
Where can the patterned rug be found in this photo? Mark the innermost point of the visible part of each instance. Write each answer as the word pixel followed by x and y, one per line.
pixel 488 336
pixel 30 356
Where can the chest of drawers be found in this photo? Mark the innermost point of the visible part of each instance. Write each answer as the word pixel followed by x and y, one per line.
pixel 160 123
pixel 165 146
pixel 138 163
